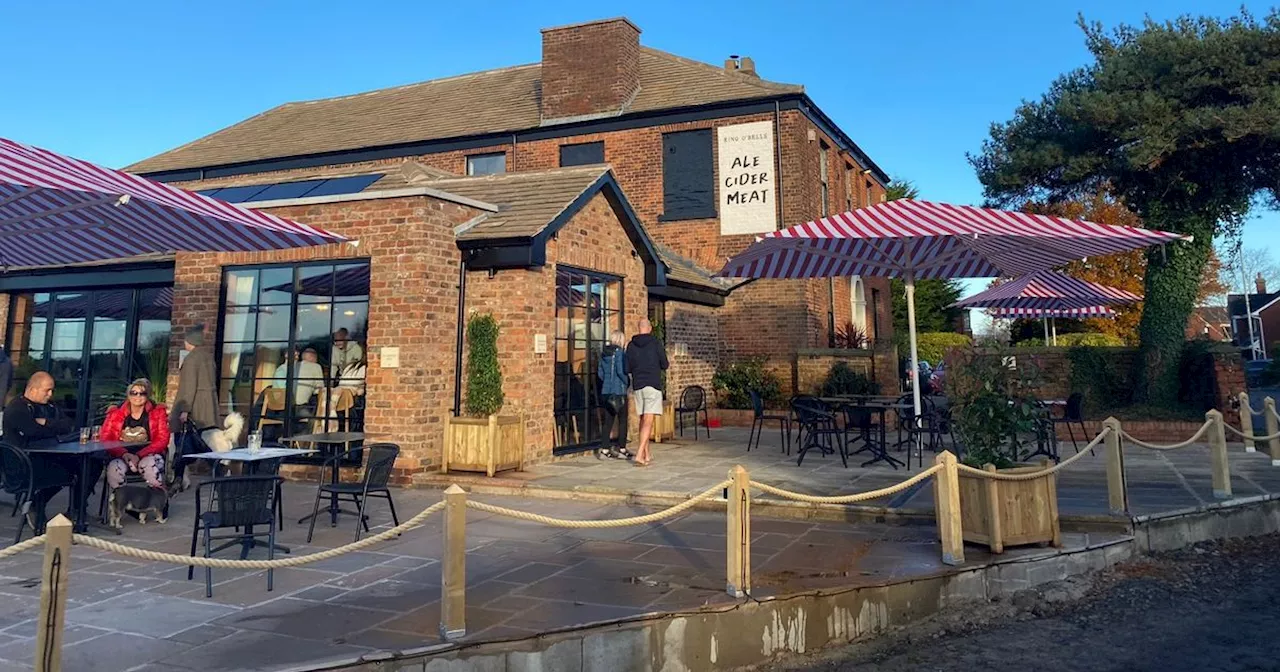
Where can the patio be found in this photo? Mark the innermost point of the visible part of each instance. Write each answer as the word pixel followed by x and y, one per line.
pixel 1158 481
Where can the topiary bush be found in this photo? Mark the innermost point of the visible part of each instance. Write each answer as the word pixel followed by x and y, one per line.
pixel 733 384
pixel 842 380
pixel 484 376
pixel 1197 385
pixel 931 346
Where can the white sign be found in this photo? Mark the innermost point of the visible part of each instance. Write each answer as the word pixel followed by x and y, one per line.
pixel 540 344
pixel 747 185
pixel 390 358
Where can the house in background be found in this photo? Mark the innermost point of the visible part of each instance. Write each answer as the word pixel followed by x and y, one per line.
pixel 1209 322
pixel 1263 310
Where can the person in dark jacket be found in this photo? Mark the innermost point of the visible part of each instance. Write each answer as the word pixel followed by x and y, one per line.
pixel 646 360
pixel 6 374
pixel 31 418
pixel 612 372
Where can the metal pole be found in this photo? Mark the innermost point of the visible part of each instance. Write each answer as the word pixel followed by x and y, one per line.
pixel 1053 324
pixel 910 281
pixel 462 308
pixel 1248 312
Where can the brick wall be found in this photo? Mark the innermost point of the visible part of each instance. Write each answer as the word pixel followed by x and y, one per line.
pixel 412 305
pixel 524 304
pixel 589 68
pixel 812 367
pixel 693 346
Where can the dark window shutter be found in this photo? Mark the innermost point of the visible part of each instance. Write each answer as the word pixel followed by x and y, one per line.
pixel 688 176
pixel 583 154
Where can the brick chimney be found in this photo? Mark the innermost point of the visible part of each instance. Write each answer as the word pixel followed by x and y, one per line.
pixel 1261 284
pixel 589 69
pixel 743 65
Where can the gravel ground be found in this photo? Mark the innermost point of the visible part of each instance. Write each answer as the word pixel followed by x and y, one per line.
pixel 1215 606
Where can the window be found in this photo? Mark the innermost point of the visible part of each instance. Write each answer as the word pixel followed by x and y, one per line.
pixel 588 307
pixel 688 176
pixel 487 164
pixel 584 154
pixel 823 150
pixel 848 187
pixel 292 346
pixel 858 303
pixel 868 192
pixel 875 315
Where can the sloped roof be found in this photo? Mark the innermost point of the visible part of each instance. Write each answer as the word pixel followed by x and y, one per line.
pixel 485 102
pixel 685 270
pixel 527 202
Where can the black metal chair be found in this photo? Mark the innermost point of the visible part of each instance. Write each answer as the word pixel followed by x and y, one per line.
pixel 235 502
pixel 924 430
pixel 818 429
pixel 1073 414
pixel 759 417
pixel 692 400
pixel 21 481
pixel 377 473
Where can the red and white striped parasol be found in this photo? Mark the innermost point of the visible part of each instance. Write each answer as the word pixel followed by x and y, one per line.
pixel 1049 295
pixel 914 239
pixel 56 210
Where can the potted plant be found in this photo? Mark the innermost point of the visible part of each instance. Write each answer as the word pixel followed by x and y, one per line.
pixel 994 405
pixel 483 441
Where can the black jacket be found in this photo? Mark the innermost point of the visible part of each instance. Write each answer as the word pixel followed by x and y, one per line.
pixel 21 428
pixel 646 360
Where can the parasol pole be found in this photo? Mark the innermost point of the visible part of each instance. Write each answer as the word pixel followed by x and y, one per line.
pixel 910 281
pixel 1053 323
pixel 1045 321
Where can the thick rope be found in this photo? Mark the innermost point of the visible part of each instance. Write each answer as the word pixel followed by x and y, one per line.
pixel 1173 446
pixel 22 546
pixel 277 563
pixel 1032 475
pixel 1269 437
pixel 596 524
pixel 849 499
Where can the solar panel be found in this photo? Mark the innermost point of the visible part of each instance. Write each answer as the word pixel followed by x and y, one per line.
pixel 209 192
pixel 240 194
pixel 286 190
pixel 345 185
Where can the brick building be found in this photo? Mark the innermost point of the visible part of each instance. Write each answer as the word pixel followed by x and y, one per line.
pixel 581 192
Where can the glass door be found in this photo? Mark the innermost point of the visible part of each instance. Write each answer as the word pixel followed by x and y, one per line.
pixel 588 309
pixel 92 343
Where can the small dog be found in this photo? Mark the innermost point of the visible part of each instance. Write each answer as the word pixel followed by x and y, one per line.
pixel 139 498
pixel 222 440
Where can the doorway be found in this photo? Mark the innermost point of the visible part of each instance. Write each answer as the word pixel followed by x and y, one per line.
pixel 588 308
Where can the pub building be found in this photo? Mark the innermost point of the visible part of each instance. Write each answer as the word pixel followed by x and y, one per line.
pixel 568 198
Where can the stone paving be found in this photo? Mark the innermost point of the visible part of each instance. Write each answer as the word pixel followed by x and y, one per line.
pixel 523 579
pixel 1159 481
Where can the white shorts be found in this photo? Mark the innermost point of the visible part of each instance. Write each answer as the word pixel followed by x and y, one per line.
pixel 648 401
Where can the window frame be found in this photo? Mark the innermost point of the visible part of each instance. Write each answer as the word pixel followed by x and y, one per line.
pixel 824 167
pixel 593 277
pixel 707 208
pixel 485 155
pixel 582 146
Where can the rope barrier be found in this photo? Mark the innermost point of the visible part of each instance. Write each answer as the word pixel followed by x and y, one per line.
pixel 1029 476
pixel 1269 437
pixel 277 563
pixel 598 524
pixel 1173 446
pixel 848 499
pixel 22 546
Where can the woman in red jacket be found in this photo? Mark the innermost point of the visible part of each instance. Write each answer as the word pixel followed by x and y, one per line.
pixel 144 426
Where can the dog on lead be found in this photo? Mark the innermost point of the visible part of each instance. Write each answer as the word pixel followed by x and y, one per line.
pixel 225 439
pixel 139 498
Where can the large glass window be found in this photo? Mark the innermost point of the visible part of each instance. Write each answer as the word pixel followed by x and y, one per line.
pixel 487 164
pixel 93 342
pixel 588 309
pixel 293 345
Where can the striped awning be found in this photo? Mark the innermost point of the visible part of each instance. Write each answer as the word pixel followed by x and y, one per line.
pixel 1048 290
pixel 1038 313
pixel 56 210
pixel 932 240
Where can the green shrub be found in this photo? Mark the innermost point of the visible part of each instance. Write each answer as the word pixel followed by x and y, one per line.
pixel 1197 385
pixel 484 376
pixel 931 346
pixel 842 380
pixel 1095 374
pixel 734 382
pixel 992 404
pixel 1030 343
pixel 1090 339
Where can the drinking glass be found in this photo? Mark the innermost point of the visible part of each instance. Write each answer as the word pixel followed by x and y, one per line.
pixel 85 433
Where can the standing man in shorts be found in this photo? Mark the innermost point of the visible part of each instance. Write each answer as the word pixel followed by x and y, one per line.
pixel 646 360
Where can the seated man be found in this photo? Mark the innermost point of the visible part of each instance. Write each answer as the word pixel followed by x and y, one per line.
pixel 31 418
pixel 308 379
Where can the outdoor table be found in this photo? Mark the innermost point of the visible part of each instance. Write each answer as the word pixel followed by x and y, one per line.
pixel 879 405
pixel 85 451
pixel 252 461
pixel 331 440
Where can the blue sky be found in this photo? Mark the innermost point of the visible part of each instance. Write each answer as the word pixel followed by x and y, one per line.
pixel 915 83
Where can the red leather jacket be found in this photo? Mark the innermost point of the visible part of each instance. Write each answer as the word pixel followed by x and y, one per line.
pixel 158 428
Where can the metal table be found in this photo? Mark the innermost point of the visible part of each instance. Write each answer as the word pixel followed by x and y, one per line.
pixel 879 405
pixel 252 462
pixel 331 440
pixel 85 451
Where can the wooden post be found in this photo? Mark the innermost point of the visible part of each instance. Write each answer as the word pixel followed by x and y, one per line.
pixel 946 497
pixel 53 594
pixel 1273 428
pixel 448 445
pixel 1218 455
pixel 994 524
pixel 491 446
pixel 1051 496
pixel 1246 423
pixel 453 576
pixel 738 534
pixel 1117 489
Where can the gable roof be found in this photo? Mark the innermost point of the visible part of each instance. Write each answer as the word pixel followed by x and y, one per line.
pixel 481 103
pixel 527 202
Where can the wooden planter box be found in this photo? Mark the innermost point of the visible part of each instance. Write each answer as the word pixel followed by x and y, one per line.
pixel 490 445
pixel 664 426
pixel 999 513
